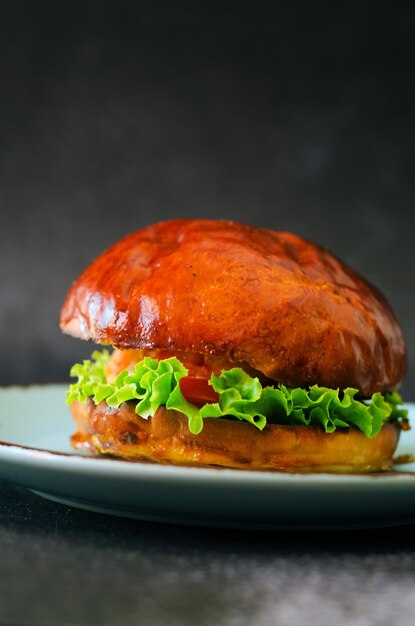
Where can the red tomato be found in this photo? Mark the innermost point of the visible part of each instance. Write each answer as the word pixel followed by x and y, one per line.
pixel 197 390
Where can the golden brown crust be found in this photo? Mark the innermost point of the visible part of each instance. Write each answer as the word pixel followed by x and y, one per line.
pixel 165 438
pixel 285 306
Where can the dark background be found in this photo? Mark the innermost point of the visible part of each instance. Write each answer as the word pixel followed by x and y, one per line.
pixel 295 116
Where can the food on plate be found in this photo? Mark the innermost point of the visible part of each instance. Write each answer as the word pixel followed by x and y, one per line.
pixel 234 346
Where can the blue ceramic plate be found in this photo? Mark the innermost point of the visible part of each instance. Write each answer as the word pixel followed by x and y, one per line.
pixel 35 426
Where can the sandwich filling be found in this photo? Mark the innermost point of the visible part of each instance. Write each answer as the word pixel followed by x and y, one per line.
pixel 204 387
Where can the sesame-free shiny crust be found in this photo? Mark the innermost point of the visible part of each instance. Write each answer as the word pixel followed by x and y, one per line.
pixel 283 305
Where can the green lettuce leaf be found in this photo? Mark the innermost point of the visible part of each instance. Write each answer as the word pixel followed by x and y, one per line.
pixel 155 383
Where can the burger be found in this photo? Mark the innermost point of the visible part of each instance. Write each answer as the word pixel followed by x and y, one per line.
pixel 234 346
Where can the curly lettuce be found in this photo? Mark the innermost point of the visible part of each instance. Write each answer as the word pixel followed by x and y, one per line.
pixel 154 383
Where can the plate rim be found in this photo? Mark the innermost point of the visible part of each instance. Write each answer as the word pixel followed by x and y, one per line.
pixel 25 454
pixel 189 493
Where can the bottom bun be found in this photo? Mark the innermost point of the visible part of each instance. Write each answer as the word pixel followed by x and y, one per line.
pixel 165 438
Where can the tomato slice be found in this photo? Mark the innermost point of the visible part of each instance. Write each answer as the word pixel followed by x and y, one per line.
pixel 197 390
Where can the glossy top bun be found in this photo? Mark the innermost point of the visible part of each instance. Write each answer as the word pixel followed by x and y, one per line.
pixel 283 305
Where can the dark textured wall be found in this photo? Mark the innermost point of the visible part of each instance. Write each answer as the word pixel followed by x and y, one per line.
pixel 114 115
